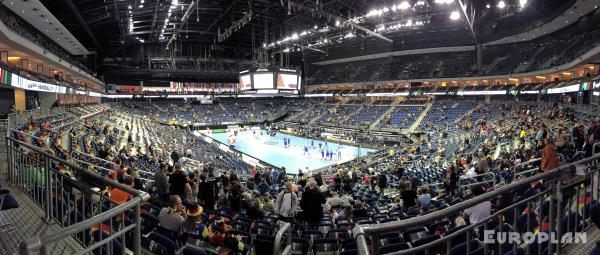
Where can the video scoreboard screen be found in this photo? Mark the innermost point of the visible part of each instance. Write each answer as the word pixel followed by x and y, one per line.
pixel 245 82
pixel 279 79
pixel 263 80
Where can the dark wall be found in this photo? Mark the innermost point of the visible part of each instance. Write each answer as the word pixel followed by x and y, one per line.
pixel 7 98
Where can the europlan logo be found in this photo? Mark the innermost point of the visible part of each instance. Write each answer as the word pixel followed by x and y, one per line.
pixel 492 237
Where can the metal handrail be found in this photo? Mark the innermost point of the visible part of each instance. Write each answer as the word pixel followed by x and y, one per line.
pixel 360 231
pixel 493 180
pixel 40 242
pixel 286 228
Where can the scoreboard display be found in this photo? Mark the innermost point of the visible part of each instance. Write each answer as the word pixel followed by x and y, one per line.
pixel 271 79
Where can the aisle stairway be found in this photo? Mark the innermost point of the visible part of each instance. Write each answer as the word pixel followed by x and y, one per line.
pixel 386 113
pixel 420 118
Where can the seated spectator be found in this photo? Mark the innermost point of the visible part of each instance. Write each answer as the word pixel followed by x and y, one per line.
pixel 480 211
pixel 360 210
pixel 120 196
pixel 173 216
pixel 193 223
pixel 424 198
pixel 254 210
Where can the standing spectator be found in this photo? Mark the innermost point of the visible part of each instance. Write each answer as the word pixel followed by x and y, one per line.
pixel 206 193
pixel 191 189
pixel 311 203
pixel 177 182
pixel 593 136
pixel 450 180
pixel 161 183
pixel 483 165
pixel 235 196
pixel 550 158
pixel 382 182
pixel 274 175
pixel 578 137
pixel 408 195
pixel 285 205
pixel 263 187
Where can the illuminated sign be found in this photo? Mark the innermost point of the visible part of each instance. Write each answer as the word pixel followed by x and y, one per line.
pixel 584 86
pixel 572 88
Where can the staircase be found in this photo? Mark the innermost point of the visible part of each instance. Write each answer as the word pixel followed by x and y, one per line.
pixel 491 66
pixel 223 107
pixel 524 66
pixel 350 116
pixel 467 113
pixel 386 113
pixel 420 118
pixel 158 107
pixel 313 120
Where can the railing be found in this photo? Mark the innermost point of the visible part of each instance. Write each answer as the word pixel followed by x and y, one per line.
pixel 465 184
pixel 75 199
pixel 557 205
pixel 287 230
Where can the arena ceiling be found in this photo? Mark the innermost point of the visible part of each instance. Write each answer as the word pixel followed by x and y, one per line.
pixel 100 24
pixel 244 28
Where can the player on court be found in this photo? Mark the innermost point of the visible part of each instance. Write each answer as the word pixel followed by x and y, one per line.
pixel 322 153
pixel 339 155
pixel 306 150
pixel 285 143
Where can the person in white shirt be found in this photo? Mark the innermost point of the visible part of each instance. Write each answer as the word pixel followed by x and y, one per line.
pixel 480 211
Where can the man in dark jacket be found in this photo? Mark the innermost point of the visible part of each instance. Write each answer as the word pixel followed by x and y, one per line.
pixel 174 156
pixel 311 202
pixel 177 182
pixel 206 193
pixel 382 182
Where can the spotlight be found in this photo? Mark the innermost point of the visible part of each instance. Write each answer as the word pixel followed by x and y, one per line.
pixel 501 4
pixel 404 5
pixel 454 15
pixel 522 3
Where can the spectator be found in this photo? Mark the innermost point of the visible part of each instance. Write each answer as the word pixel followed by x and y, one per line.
pixel 593 136
pixel 263 187
pixel 480 211
pixel 285 206
pixel 206 193
pixel 360 210
pixel 424 198
pixel 120 196
pixel 550 159
pixel 450 180
pixel 482 165
pixel 254 210
pixel 382 182
pixel 191 189
pixel 408 195
pixel 177 182
pixel 235 196
pixel 173 216
pixel 161 182
pixel 193 223
pixel 311 203
pixel 274 176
